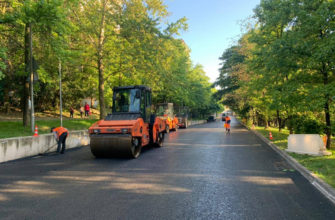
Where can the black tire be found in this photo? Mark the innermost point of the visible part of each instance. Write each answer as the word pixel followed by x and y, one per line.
pixel 96 153
pixel 160 139
pixel 135 148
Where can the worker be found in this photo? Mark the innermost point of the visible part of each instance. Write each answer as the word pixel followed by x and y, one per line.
pixel 60 134
pixel 227 123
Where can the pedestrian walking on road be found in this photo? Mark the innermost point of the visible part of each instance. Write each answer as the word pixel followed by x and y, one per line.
pixel 60 134
pixel 87 109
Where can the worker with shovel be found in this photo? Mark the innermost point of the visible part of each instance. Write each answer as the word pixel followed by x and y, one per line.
pixel 60 134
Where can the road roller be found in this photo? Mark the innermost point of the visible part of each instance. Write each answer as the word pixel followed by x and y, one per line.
pixel 182 115
pixel 129 127
pixel 165 112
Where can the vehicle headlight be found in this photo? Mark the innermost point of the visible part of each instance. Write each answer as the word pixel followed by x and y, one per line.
pixel 124 130
pixel 97 131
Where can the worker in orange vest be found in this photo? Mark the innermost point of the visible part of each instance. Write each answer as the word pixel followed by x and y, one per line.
pixel 227 123
pixel 60 134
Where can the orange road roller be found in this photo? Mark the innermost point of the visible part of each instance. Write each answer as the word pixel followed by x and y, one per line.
pixel 165 112
pixel 130 127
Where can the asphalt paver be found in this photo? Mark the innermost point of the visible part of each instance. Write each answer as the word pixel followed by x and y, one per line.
pixel 200 173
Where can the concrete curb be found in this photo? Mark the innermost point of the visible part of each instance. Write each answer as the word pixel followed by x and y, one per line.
pixel 318 183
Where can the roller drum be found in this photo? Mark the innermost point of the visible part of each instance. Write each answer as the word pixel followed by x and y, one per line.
pixel 114 145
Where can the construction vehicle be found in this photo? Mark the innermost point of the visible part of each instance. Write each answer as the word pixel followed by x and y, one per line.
pixel 130 127
pixel 165 112
pixel 182 115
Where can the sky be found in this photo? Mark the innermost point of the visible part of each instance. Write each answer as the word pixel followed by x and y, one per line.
pixel 214 26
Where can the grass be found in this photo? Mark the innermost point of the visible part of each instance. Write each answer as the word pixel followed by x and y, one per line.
pixel 15 129
pixel 321 166
pixel 279 138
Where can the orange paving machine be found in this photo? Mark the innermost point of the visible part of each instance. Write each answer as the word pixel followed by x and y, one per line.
pixel 130 127
pixel 165 112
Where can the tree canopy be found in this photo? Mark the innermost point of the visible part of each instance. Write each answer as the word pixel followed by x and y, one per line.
pixel 281 71
pixel 100 44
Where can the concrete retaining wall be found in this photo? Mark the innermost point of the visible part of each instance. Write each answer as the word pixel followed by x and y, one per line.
pixel 195 122
pixel 16 148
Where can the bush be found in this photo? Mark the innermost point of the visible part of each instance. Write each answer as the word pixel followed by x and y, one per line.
pixel 305 124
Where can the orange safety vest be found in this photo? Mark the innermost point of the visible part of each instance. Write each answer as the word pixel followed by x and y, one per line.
pixel 60 130
pixel 226 124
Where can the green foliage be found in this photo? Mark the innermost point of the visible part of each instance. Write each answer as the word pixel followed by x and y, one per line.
pixel 283 67
pixel 306 124
pixel 2 63
pixel 122 41
pixel 227 80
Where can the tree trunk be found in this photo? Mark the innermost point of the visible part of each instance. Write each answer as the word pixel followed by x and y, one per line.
pixel 266 122
pixel 328 124
pixel 102 94
pixel 253 117
pixel 279 120
pixel 328 129
pixel 100 64
pixel 6 98
pixel 25 98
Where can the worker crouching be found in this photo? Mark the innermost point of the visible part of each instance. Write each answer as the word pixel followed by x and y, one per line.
pixel 60 134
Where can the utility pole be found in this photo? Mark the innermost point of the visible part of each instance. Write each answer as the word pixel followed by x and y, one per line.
pixel 60 92
pixel 32 117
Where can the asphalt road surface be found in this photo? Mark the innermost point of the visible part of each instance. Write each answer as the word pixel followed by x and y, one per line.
pixel 200 173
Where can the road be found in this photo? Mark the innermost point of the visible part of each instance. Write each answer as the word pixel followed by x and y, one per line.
pixel 200 173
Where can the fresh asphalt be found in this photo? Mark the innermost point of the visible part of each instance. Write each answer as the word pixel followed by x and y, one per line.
pixel 200 173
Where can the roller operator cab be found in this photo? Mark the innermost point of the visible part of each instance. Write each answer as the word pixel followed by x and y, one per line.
pixel 130 127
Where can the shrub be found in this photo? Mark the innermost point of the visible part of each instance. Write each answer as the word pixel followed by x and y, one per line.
pixel 305 124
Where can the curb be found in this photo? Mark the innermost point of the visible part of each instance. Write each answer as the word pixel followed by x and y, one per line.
pixel 318 183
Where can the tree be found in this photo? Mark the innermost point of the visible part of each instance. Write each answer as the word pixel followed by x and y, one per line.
pixel 101 44
pixel 313 26
pixel 49 24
